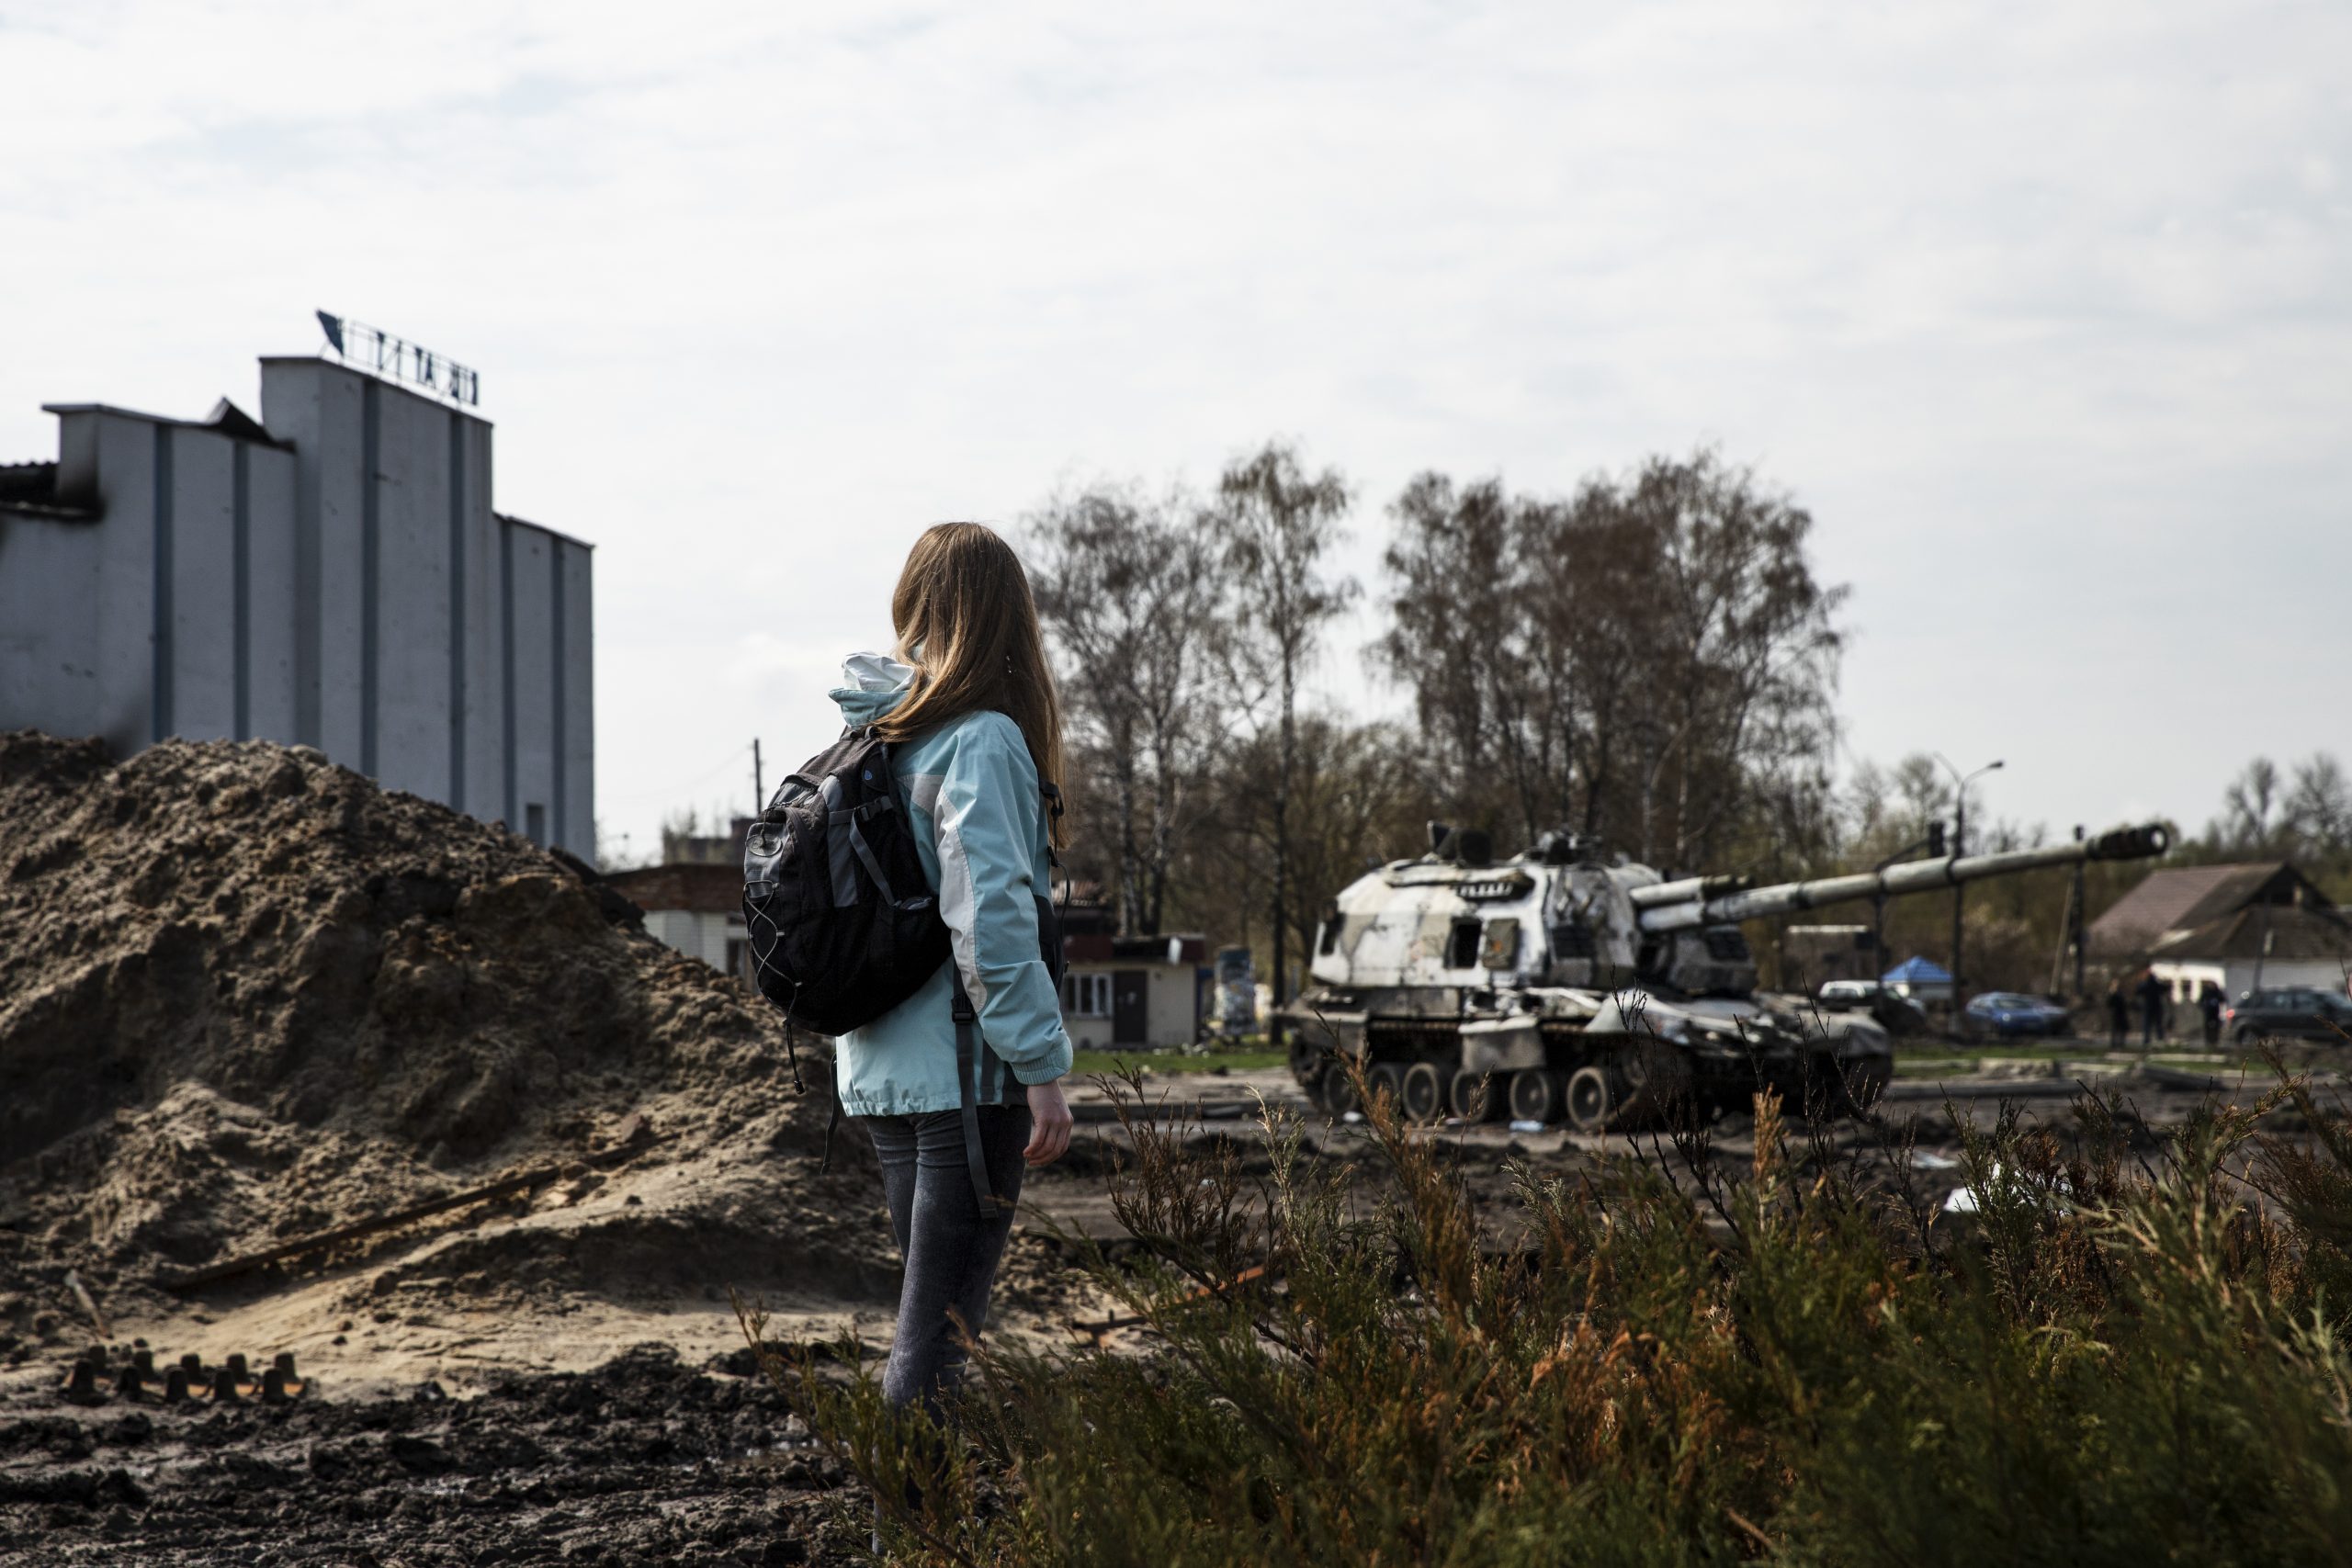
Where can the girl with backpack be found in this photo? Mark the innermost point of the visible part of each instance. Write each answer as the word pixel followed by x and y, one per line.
pixel 959 1085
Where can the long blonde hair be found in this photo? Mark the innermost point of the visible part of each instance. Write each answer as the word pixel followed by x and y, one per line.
pixel 968 624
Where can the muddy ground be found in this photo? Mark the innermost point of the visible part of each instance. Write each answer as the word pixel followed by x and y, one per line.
pixel 644 1460
pixel 247 996
pixel 439 1438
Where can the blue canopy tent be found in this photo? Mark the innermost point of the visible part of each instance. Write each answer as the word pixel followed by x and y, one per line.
pixel 1921 979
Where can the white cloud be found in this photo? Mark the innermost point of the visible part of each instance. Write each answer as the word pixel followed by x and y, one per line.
pixel 2043 310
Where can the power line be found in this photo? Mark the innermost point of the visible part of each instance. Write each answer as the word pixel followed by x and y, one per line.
pixel 730 759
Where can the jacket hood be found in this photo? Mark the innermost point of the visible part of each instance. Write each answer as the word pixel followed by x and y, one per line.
pixel 874 684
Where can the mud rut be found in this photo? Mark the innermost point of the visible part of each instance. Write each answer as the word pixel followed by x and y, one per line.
pixel 644 1460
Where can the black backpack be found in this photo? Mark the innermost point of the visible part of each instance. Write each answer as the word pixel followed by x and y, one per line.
pixel 843 925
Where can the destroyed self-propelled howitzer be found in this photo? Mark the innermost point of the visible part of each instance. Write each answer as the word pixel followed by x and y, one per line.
pixel 1552 985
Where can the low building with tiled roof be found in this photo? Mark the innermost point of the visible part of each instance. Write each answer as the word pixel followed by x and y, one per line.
pixel 2237 926
pixel 2180 898
pixel 695 908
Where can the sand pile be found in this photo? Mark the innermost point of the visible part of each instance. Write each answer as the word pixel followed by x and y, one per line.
pixel 246 995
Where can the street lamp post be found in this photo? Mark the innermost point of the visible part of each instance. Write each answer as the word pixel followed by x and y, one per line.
pixel 1933 843
pixel 1959 848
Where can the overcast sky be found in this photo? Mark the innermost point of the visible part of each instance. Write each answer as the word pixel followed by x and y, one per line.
pixel 2045 311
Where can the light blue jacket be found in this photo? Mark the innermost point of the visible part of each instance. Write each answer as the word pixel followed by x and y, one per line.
pixel 979 825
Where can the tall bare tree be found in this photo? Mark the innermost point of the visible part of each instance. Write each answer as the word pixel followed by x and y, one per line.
pixel 1747 648
pixel 1453 574
pixel 1356 800
pixel 1652 659
pixel 1869 815
pixel 1127 591
pixel 1926 792
pixel 1589 567
pixel 2304 811
pixel 2319 807
pixel 2249 805
pixel 1272 524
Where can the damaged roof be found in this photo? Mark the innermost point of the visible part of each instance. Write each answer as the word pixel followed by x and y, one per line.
pixel 2262 931
pixel 226 419
pixel 2187 898
pixel 29 489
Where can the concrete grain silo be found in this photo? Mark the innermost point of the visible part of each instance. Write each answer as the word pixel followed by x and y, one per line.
pixel 332 574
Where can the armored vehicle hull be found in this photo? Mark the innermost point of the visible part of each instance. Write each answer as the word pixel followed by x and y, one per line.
pixel 1551 988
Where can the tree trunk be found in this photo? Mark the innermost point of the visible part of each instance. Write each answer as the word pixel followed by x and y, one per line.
pixel 1163 834
pixel 1130 864
pixel 1282 847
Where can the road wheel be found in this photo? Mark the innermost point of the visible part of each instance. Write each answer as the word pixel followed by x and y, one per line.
pixel 1310 1083
pixel 2246 1036
pixel 1475 1095
pixel 1310 1064
pixel 1535 1095
pixel 1423 1095
pixel 1338 1090
pixel 1388 1078
pixel 1590 1101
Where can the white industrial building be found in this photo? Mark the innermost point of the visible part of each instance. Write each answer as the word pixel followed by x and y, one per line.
pixel 332 574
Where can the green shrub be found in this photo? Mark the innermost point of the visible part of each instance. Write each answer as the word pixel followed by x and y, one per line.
pixel 2123 1357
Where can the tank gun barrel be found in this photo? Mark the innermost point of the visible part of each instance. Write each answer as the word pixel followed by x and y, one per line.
pixel 1688 888
pixel 1911 876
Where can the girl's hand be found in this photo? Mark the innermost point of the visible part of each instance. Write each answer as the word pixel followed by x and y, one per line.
pixel 1048 1124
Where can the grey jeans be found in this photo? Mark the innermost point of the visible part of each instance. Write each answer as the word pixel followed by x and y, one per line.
pixel 950 1248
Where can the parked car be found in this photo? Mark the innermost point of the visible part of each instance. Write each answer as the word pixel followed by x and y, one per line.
pixel 2009 1013
pixel 2290 1012
pixel 1895 1014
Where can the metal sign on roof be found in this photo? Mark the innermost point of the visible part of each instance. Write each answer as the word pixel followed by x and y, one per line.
pixel 371 348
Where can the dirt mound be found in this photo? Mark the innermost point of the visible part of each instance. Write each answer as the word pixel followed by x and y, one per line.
pixel 247 995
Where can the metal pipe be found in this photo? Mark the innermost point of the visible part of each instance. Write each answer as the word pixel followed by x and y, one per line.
pixel 1911 876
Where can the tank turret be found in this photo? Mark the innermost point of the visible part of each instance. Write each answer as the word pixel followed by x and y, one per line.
pixel 1553 984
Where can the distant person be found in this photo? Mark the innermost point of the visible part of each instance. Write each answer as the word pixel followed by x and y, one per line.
pixel 975 727
pixel 2153 1023
pixel 2118 1016
pixel 2208 1004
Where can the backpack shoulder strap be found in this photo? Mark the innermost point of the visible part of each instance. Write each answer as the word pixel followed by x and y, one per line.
pixel 969 1049
pixel 972 1053
pixel 1053 794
